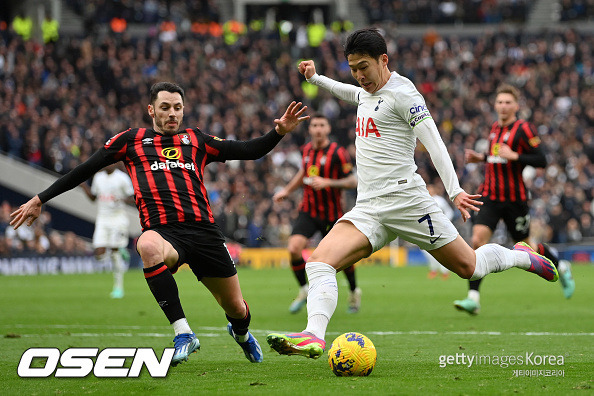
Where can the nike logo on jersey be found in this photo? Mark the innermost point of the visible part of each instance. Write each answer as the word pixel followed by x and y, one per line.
pixel 378 104
pixel 432 241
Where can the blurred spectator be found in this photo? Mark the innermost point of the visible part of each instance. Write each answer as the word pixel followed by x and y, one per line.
pixel 50 29
pixel 446 12
pixel 23 26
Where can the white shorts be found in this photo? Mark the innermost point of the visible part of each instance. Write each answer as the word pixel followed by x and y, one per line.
pixel 411 214
pixel 111 234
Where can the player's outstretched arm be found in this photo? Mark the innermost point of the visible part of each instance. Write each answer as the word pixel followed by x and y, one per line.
pixel 27 212
pixel 293 116
pixel 465 202
pixel 257 148
pixel 30 211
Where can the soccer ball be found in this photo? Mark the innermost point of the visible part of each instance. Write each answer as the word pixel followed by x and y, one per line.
pixel 352 354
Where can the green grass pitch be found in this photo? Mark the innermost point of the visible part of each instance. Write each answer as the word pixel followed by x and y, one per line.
pixel 410 319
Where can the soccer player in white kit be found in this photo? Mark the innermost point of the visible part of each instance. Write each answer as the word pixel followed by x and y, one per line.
pixel 392 200
pixel 112 188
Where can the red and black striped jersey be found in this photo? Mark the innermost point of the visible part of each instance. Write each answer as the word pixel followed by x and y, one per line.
pixel 331 162
pixel 167 173
pixel 503 178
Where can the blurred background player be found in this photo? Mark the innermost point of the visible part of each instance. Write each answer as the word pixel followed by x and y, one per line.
pixel 112 189
pixel 513 144
pixel 326 169
pixel 434 266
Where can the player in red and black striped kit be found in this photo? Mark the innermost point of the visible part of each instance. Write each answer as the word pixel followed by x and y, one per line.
pixel 326 169
pixel 166 166
pixel 513 144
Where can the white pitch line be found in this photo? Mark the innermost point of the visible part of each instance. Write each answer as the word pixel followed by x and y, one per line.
pixel 211 331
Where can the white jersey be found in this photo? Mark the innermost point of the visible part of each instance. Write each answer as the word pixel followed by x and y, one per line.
pixel 444 206
pixel 387 122
pixel 111 190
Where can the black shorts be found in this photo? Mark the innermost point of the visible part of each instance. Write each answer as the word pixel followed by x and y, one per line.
pixel 201 246
pixel 307 226
pixel 516 216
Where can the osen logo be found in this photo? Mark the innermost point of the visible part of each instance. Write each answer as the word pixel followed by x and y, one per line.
pixel 171 153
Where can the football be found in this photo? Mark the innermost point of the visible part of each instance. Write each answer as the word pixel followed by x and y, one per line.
pixel 352 354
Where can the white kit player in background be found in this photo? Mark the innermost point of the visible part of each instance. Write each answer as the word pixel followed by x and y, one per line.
pixel 434 266
pixel 112 189
pixel 392 199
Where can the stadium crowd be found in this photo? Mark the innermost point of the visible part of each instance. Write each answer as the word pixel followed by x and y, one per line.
pixel 63 100
pixel 446 12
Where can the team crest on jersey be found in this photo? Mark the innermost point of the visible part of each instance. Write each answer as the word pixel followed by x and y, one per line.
pixel 378 104
pixel 534 142
pixel 185 138
pixel 313 171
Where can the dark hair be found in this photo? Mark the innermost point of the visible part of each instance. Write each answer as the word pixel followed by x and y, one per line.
pixel 165 86
pixel 366 41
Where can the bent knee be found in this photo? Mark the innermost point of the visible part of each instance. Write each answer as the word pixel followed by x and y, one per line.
pixel 148 247
pixel 236 309
pixel 465 270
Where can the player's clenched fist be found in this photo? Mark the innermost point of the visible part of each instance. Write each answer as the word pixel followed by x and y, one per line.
pixel 307 68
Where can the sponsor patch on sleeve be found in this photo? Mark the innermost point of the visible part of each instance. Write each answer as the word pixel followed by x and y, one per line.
pixel 418 118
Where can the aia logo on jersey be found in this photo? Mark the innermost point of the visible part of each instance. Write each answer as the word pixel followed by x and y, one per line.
pixel 185 138
pixel 365 128
pixel 171 153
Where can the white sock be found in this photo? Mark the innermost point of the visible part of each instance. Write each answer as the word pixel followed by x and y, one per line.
pixel 474 295
pixel 181 326
pixel 118 269
pixel 495 258
pixel 322 297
